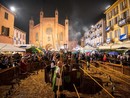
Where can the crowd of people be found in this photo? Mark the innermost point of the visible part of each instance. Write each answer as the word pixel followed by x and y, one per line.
pixel 7 61
pixel 56 64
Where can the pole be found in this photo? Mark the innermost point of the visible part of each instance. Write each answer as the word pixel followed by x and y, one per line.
pixel 76 90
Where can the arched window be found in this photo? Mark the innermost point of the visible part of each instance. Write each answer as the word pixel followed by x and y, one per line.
pixel 61 36
pixel 36 36
pixel 49 38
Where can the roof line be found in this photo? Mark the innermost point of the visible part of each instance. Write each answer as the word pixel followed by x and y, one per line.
pixel 7 9
pixel 107 10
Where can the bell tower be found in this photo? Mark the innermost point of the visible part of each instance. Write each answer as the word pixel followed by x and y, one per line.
pixel 41 15
pixel 56 43
pixel 66 41
pixel 31 25
pixel 41 28
pixel 56 15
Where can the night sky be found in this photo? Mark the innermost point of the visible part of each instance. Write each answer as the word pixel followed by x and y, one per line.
pixel 81 13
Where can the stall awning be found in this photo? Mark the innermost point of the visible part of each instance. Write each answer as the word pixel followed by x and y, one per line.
pixel 9 47
pixel 116 46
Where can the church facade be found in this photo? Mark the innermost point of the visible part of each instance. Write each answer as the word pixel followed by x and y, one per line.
pixel 49 34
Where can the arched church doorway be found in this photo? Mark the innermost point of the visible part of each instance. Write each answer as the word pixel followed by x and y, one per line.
pixel 49 47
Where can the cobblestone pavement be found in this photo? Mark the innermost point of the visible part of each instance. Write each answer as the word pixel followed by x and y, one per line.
pixel 33 87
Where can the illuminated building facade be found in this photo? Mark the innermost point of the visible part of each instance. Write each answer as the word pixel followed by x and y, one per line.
pixel 118 21
pixel 49 34
pixel 19 36
pixel 96 36
pixel 6 25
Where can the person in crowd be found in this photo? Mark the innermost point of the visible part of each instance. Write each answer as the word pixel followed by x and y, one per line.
pixel 53 65
pixel 121 59
pixel 104 57
pixel 88 61
pixel 23 65
pixel 57 79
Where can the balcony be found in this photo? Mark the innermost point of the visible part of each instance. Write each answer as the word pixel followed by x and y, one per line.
pixel 90 32
pixel 99 25
pixel 109 28
pixel 124 21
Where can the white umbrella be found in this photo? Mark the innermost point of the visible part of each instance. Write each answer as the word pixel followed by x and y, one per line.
pixel 9 47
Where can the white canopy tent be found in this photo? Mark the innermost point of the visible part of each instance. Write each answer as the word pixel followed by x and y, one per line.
pixel 8 47
pixel 89 48
pixel 106 46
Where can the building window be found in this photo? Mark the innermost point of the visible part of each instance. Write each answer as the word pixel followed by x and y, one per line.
pixel 109 23
pixel 125 15
pixel 16 42
pixel 6 15
pixel 36 36
pixel 115 20
pixel 123 5
pixel 116 10
pixel 49 38
pixel 116 33
pixel 61 36
pixel 107 16
pixel 49 31
pixel 110 34
pixel 110 15
pixel 118 18
pixel 17 34
pixel 126 30
pixel 57 36
pixel 5 31
pixel 113 12
pixel 119 32
pixel 23 37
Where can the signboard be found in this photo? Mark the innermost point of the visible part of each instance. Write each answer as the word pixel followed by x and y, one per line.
pixel 123 37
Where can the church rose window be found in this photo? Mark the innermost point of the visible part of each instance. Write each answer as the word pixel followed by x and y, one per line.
pixel 49 31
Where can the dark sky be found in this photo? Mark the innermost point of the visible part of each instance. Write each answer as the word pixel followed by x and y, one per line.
pixel 81 13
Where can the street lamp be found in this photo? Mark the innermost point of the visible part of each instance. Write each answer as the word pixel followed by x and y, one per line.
pixel 12 8
pixel 65 46
pixel 92 26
